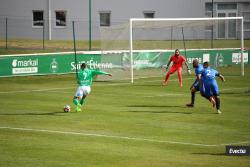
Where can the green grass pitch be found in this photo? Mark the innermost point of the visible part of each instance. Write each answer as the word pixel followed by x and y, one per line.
pixel 122 124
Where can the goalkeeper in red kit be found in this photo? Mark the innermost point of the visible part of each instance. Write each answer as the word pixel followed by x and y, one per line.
pixel 177 60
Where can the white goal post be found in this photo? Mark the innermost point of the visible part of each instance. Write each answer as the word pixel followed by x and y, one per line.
pixel 135 23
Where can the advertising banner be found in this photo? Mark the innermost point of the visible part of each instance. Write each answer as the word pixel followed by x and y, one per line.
pixel 44 64
pixel 47 64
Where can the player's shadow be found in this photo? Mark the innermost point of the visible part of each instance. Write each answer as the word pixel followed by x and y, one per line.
pixel 38 114
pixel 157 106
pixel 104 81
pixel 144 107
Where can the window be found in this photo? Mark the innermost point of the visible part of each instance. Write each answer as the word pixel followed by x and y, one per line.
pixel 105 18
pixel 208 6
pixel 208 9
pixel 149 14
pixel 227 6
pixel 208 13
pixel 60 18
pixel 222 26
pixel 232 26
pixel 247 25
pixel 38 18
pixel 246 16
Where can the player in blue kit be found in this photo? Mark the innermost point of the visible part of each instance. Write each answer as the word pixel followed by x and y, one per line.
pixel 210 84
pixel 197 85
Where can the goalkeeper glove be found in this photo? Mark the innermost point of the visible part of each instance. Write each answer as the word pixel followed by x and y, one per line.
pixel 164 66
pixel 189 71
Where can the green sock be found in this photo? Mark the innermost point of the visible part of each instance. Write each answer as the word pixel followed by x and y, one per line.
pixel 82 101
pixel 75 101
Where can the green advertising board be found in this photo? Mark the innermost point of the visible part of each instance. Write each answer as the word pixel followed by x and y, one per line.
pixel 217 58
pixel 46 64
pixel 62 63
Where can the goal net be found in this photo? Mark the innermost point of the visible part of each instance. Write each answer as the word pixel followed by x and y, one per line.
pixel 140 47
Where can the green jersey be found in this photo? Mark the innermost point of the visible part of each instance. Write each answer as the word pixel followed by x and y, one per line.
pixel 85 77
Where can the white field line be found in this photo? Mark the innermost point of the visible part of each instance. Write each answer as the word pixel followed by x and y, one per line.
pixel 141 82
pixel 147 95
pixel 119 137
pixel 111 84
pixel 57 90
pixel 65 88
pixel 35 90
pixel 127 95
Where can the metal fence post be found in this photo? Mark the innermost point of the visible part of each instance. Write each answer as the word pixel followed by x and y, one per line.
pixel 90 27
pixel 6 33
pixel 212 32
pixel 43 33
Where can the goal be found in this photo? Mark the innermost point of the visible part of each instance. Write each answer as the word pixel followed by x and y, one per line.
pixel 141 46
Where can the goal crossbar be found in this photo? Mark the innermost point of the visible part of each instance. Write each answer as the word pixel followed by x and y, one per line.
pixel 137 23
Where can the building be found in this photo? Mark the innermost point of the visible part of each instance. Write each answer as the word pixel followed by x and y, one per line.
pixel 31 19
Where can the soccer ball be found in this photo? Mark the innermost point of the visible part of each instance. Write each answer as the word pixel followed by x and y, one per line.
pixel 66 108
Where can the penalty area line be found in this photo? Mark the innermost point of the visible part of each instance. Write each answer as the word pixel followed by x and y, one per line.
pixel 65 88
pixel 117 137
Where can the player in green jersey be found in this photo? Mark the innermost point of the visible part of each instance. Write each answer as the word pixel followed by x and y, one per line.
pixel 85 80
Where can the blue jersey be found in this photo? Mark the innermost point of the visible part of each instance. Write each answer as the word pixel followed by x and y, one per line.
pixel 211 87
pixel 209 74
pixel 198 70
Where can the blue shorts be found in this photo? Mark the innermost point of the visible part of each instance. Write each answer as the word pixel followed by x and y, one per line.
pixel 211 89
pixel 197 87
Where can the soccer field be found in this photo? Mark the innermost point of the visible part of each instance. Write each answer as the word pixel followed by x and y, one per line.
pixel 143 124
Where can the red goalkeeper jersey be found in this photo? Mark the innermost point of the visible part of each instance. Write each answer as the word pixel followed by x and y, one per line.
pixel 177 61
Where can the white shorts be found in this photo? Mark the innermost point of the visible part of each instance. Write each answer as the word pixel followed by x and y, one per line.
pixel 82 91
